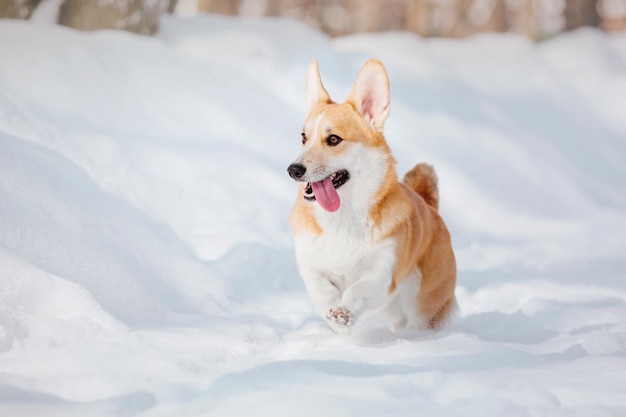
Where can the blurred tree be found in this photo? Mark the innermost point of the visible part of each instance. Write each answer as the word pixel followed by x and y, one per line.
pixel 17 9
pixel 442 17
pixel 171 8
pixel 416 19
pixel 387 15
pixel 229 7
pixel 613 14
pixel 492 18
pixel 475 16
pixel 449 18
pixel 522 17
pixel 139 16
pixel 581 13
pixel 333 16
pixel 532 18
pixel 273 7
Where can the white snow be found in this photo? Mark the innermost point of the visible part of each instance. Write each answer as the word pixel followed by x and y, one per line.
pixel 146 263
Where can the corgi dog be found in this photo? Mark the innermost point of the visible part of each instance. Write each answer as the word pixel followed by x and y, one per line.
pixel 364 241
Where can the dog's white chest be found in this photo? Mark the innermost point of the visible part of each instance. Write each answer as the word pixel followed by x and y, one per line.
pixel 333 256
pixel 340 256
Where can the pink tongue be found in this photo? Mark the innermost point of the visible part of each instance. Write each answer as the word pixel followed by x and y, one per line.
pixel 326 195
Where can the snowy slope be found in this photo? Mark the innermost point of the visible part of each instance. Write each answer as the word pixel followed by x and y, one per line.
pixel 146 265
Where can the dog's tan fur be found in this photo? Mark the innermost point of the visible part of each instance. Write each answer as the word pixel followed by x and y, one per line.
pixel 403 213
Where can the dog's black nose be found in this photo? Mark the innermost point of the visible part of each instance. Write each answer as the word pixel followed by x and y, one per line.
pixel 296 171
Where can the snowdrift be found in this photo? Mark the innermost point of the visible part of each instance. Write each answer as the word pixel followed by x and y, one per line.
pixel 146 265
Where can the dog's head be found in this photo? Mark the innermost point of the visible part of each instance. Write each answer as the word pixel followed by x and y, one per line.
pixel 343 144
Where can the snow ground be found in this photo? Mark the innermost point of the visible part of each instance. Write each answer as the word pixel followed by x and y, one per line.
pixel 146 264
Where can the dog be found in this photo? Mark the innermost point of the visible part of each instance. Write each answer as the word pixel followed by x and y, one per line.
pixel 364 241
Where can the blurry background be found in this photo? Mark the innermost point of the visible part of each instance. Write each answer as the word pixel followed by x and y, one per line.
pixel 536 19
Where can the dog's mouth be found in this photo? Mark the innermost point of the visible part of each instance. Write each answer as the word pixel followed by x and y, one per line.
pixel 324 191
pixel 338 179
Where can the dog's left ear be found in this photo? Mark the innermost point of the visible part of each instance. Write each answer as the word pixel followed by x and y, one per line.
pixel 370 93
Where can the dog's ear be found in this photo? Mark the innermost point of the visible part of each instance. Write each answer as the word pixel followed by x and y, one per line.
pixel 315 90
pixel 370 94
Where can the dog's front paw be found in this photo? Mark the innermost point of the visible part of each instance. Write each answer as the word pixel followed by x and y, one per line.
pixel 340 316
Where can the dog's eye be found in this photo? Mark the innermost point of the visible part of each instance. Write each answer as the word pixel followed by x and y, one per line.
pixel 333 140
pixel 303 138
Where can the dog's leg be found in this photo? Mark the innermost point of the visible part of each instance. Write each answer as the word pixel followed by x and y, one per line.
pixel 401 309
pixel 369 289
pixel 369 293
pixel 323 293
pixel 436 300
pixel 325 296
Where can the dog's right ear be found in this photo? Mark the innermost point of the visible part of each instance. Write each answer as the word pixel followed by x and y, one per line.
pixel 316 92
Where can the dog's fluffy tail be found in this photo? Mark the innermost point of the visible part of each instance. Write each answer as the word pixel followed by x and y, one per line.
pixel 423 180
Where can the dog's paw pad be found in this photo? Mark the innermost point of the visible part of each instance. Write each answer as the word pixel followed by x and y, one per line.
pixel 340 316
